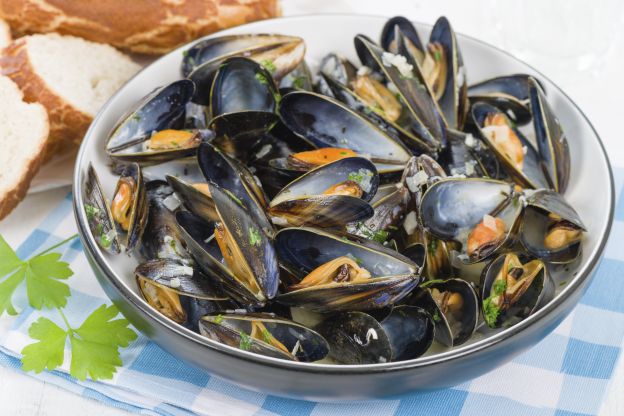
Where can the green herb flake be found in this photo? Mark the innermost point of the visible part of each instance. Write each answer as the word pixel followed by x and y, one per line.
pixel 266 336
pixel 356 177
pixel 91 211
pixel 261 78
pixel 431 282
pixel 432 246
pixel 245 341
pixel 563 283
pixel 381 236
pixel 436 316
pixel 254 237
pixel 437 56
pixel 358 260
pixel 499 287
pixel 268 65
pixel 343 153
pixel 299 82
pixel 105 241
pixel 393 227
pixel 490 312
pixel 136 117
pixel 99 229
pixel 218 319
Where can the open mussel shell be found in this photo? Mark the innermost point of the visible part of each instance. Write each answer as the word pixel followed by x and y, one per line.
pixel 257 254
pixel 162 109
pixel 304 201
pixel 132 206
pixel 538 223
pixel 243 99
pixel 456 209
pixel 347 96
pixel 453 99
pixel 299 78
pixel 454 307
pixel 161 238
pixel 141 152
pixel 426 120
pixel 302 250
pixel 551 140
pixel 178 292
pixel 325 122
pixel 99 216
pixel 338 68
pixel 510 93
pixel 280 54
pixel 466 155
pixel 269 332
pixel 527 301
pixel 359 338
pixel 388 39
pixel 505 140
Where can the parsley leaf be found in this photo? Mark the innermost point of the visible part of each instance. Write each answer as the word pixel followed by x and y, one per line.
pixel 266 336
pixel 299 82
pixel 7 288
pixel 490 312
pixel 8 259
pixel 254 237
pixel 48 352
pixel 42 284
pixel 268 65
pixel 95 345
pixel 245 341
pixel 261 78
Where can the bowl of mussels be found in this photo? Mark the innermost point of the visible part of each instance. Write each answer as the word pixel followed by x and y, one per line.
pixel 354 212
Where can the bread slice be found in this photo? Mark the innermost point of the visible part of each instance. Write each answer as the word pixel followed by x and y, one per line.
pixel 144 26
pixel 5 34
pixel 23 134
pixel 71 77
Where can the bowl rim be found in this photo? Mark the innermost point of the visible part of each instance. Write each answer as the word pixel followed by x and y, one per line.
pixel 583 274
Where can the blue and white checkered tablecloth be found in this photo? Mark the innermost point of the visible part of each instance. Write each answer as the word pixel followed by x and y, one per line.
pixel 565 374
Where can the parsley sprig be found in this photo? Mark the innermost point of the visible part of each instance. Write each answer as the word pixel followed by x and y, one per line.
pixel 94 344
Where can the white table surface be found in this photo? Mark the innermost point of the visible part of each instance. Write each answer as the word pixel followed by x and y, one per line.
pixel 599 95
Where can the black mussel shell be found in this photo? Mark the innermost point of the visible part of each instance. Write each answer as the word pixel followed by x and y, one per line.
pixel 390 30
pixel 303 343
pixel 99 217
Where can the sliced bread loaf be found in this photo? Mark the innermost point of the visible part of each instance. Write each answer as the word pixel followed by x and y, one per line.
pixel 71 77
pixel 5 34
pixel 23 134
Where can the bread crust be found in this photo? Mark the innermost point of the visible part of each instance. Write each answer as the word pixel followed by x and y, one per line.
pixel 68 124
pixel 146 26
pixel 12 197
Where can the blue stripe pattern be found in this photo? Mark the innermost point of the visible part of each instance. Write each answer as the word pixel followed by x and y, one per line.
pixel 575 362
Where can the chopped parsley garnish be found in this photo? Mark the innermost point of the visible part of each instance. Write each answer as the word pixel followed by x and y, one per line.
pixel 261 78
pixel 99 229
pixel 431 283
pixel 254 237
pixel 343 153
pixel 563 283
pixel 136 117
pixel 432 247
pixel 91 211
pixel 185 53
pixel 356 177
pixel 491 311
pixel 381 236
pixel 437 56
pixel 266 336
pixel 393 227
pixel 436 316
pixel 245 342
pixel 268 65
pixel 218 319
pixel 105 241
pixel 299 82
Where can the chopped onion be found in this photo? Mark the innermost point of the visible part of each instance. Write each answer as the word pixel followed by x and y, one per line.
pixel 410 223
pixel 172 202
pixel 175 283
pixel 415 181
pixel 490 222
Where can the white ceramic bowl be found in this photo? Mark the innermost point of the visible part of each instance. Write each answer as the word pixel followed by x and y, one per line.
pixel 590 192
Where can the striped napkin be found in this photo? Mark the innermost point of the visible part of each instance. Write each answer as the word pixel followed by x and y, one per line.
pixel 565 374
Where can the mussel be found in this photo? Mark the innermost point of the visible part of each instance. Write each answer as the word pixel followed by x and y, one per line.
pixel 359 338
pixel 243 103
pixel 514 287
pixel 153 132
pixel 337 274
pixel 331 195
pixel 177 291
pixel 266 334
pixel 99 216
pixel 454 306
pixel 234 248
pixel 325 122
